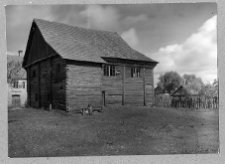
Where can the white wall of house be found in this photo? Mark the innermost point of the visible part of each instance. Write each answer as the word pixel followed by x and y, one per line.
pixel 20 89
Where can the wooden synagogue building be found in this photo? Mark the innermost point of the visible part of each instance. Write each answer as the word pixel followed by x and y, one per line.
pixel 69 67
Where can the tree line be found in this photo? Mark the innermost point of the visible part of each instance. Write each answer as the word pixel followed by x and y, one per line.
pixel 192 84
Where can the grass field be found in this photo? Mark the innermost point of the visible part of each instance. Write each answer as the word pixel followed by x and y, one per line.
pixel 116 131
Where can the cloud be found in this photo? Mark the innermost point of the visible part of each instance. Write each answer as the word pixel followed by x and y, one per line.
pixel 99 17
pixel 69 14
pixel 18 23
pixel 23 14
pixel 130 37
pixel 197 55
pixel 134 19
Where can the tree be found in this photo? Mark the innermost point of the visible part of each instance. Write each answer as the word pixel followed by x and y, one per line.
pixel 192 84
pixel 188 78
pixel 169 81
pixel 210 90
pixel 13 68
pixel 216 87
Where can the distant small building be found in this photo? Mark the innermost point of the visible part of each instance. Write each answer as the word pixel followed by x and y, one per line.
pixel 17 91
pixel 179 92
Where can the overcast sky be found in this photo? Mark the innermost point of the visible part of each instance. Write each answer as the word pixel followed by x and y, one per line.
pixel 181 37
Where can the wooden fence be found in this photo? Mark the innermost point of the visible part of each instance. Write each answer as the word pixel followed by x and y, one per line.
pixel 195 102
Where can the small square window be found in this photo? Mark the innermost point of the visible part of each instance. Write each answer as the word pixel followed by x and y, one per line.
pixel 135 72
pixel 109 70
pixel 20 85
pixel 16 84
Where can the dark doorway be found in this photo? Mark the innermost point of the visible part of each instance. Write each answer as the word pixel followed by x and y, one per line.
pixel 103 99
pixel 16 101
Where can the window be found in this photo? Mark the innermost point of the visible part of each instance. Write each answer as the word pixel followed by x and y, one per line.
pixel 20 85
pixel 23 84
pixel 16 84
pixel 135 72
pixel 109 70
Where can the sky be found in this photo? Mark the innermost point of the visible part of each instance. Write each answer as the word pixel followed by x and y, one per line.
pixel 182 37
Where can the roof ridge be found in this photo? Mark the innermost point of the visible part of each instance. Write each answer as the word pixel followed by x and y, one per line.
pixel 89 29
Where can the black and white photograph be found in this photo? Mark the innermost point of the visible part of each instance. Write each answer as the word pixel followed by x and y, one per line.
pixel 112 79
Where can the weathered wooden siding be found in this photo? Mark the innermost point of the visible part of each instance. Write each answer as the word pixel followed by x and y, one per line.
pixel 28 87
pixel 58 83
pixel 48 86
pixel 113 85
pixel 39 48
pixel 33 84
pixel 134 92
pixel 149 86
pixel 83 86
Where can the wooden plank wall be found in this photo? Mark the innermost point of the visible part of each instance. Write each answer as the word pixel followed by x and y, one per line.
pixel 42 87
pixel 39 48
pixel 58 83
pixel 46 88
pixel 149 86
pixel 134 88
pixel 83 86
pixel 134 91
pixel 28 87
pixel 113 85
pixel 34 86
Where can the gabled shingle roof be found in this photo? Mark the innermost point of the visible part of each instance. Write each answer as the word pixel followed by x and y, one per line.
pixel 82 44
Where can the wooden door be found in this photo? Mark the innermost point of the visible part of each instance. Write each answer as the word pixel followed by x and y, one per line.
pixel 16 101
pixel 103 99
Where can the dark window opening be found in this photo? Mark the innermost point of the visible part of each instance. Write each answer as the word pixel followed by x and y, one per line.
pixel 16 84
pixel 109 70
pixel 135 72
pixel 23 84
